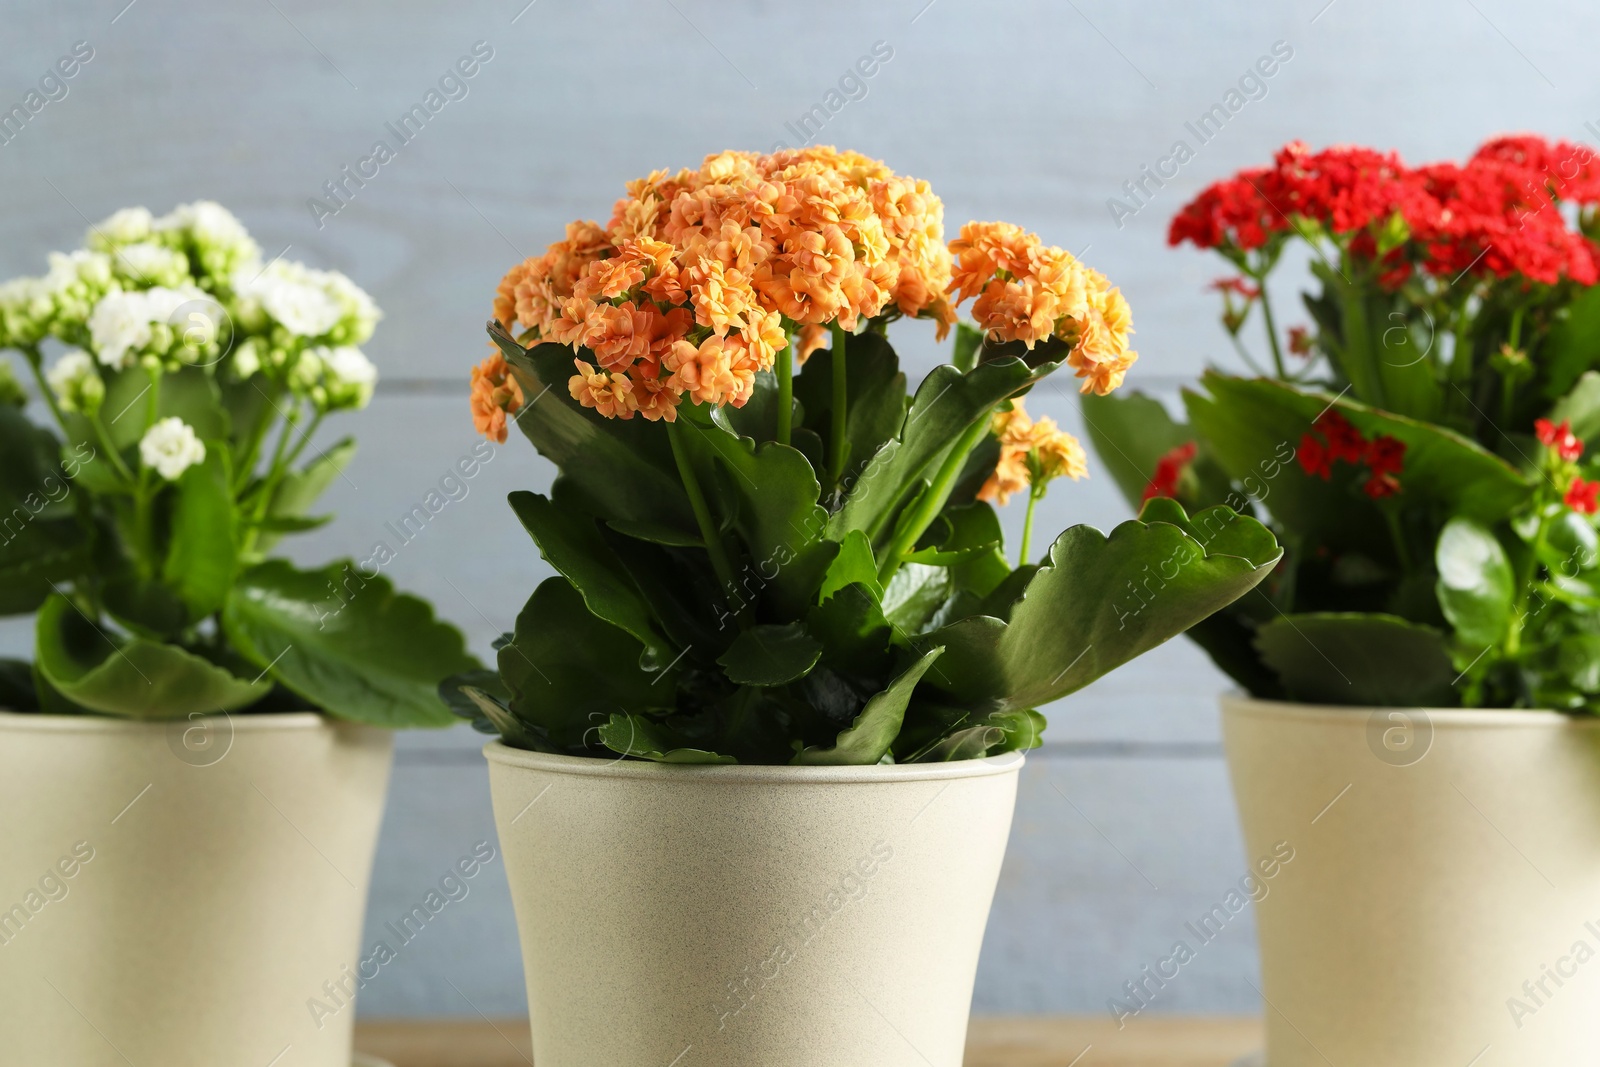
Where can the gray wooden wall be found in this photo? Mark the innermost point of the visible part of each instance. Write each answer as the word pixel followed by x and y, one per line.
pixel 1036 112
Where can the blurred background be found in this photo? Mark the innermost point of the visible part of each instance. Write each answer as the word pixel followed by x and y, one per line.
pixel 1039 113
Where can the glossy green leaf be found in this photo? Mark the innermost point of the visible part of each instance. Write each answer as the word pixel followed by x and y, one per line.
pixel 1098 602
pixel 567 671
pixel 204 551
pixel 1573 346
pixel 1364 660
pixel 1476 587
pixel 132 677
pixel 346 642
pixel 853 564
pixel 914 594
pixel 868 738
pixel 623 467
pixel 946 403
pixel 769 655
pixel 854 634
pixel 876 391
pixel 634 735
pixel 1254 427
pixel 571 543
pixel 1131 432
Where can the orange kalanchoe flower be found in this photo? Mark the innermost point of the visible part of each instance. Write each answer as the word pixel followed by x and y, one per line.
pixel 752 249
pixel 1028 291
pixel 495 394
pixel 1032 453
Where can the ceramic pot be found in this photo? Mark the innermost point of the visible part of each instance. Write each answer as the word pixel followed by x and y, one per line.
pixel 176 894
pixel 1442 906
pixel 728 916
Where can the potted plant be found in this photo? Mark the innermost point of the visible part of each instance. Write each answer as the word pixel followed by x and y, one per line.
pixel 759 734
pixel 194 764
pixel 1423 665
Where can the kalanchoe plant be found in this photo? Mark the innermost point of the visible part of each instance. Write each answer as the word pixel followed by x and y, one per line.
pixel 1419 449
pixel 766 552
pixel 193 378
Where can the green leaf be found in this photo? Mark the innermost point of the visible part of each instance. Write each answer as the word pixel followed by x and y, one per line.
pixel 778 518
pixel 876 392
pixel 947 402
pixel 570 542
pixel 481 698
pixel 1573 346
pixel 854 634
pixel 40 543
pixel 853 564
pixel 1579 658
pixel 1098 602
pixel 568 670
pixel 975 535
pixel 1362 660
pixel 1475 587
pixel 770 655
pixel 914 594
pixel 131 677
pixel 969 339
pixel 346 642
pixel 1254 426
pixel 189 393
pixel 656 533
pixel 634 735
pixel 624 468
pixel 868 738
pixel 1581 406
pixel 204 550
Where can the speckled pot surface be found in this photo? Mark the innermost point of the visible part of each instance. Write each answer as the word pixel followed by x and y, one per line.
pixel 1443 904
pixel 742 916
pixel 174 895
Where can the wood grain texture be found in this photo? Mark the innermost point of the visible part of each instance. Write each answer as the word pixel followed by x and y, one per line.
pixel 992 1042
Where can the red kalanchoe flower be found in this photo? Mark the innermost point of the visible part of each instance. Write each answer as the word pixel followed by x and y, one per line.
pixel 1169 470
pixel 1314 457
pixel 1583 496
pixel 1558 436
pixel 1381 485
pixel 1386 455
pixel 1344 440
pixel 1236 285
pixel 1300 342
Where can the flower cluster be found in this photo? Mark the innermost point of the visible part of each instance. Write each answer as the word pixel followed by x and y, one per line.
pixel 701 277
pixel 495 395
pixel 1334 440
pixel 1032 454
pixel 1564 447
pixel 1498 215
pixel 1170 469
pixel 1028 291
pixel 189 289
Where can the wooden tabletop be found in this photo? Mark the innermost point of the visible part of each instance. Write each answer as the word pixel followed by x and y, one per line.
pixel 994 1042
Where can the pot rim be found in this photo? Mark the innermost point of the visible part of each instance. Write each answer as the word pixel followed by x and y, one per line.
pixel 91 723
pixel 1238 702
pixel 745 773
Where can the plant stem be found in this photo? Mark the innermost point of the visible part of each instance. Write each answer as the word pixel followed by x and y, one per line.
pixel 1271 324
pixel 841 401
pixel 1035 494
pixel 35 361
pixel 927 507
pixel 1391 516
pixel 785 391
pixel 702 512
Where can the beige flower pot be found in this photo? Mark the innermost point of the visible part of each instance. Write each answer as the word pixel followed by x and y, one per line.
pixel 173 895
pixel 744 916
pixel 1443 904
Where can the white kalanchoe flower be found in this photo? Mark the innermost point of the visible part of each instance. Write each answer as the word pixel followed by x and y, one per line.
pixel 25 310
pixel 171 447
pixel 74 284
pixel 146 264
pixel 295 297
pixel 124 324
pixel 123 227
pixel 214 235
pixel 351 376
pixel 246 360
pixel 76 382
